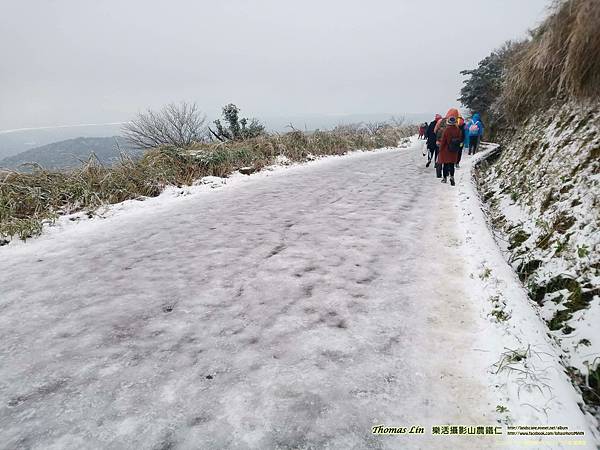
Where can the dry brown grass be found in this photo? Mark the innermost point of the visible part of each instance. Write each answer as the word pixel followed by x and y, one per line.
pixel 29 200
pixel 562 60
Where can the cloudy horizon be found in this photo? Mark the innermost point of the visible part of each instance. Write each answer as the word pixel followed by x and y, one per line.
pixel 75 62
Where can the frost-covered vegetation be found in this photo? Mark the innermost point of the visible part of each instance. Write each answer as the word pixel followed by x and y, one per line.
pixel 542 190
pixel 27 201
pixel 543 198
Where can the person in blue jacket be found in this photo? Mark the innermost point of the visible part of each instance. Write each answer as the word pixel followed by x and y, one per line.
pixel 474 130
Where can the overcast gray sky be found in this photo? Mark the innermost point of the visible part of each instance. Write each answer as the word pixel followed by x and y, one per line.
pixel 84 61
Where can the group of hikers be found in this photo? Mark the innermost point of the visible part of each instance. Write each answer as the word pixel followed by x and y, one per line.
pixel 446 137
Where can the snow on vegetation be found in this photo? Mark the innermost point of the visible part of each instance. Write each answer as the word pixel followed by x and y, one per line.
pixel 524 368
pixel 174 193
pixel 542 194
pixel 30 201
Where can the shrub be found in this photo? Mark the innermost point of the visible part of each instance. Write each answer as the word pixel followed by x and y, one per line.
pixel 175 124
pixel 236 129
pixel 484 84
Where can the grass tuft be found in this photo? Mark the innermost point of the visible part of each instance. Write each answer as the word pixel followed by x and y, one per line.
pixel 562 60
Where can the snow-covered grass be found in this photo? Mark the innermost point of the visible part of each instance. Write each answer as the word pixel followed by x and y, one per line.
pixel 170 194
pixel 543 200
pixel 28 201
pixel 525 365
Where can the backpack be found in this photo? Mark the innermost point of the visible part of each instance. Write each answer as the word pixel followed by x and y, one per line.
pixel 441 129
pixel 474 129
pixel 456 145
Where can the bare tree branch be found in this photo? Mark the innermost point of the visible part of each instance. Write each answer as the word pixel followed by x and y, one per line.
pixel 175 124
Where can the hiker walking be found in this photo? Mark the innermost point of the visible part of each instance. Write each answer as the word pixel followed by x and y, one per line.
pixel 439 129
pixel 422 129
pixel 475 129
pixel 430 136
pixel 450 145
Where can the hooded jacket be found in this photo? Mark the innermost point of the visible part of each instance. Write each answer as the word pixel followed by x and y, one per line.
pixel 476 119
pixel 430 134
pixel 446 156
pixel 441 125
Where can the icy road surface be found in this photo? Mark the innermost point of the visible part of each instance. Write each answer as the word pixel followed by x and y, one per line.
pixel 296 310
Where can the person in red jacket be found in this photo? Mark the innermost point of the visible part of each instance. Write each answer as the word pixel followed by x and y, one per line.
pixel 439 129
pixel 450 145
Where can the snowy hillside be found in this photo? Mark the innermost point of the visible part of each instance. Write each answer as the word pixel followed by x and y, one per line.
pixel 543 195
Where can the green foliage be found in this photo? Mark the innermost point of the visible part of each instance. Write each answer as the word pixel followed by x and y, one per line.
pixel 593 382
pixel 583 251
pixel 236 129
pixel 484 84
pixel 590 383
pixel 517 238
pixel 485 274
pixel 561 245
pixel 500 315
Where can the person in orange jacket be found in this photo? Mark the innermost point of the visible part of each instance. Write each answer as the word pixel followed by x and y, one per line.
pixel 450 145
pixel 441 125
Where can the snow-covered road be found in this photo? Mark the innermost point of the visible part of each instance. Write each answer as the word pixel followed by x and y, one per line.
pixel 296 310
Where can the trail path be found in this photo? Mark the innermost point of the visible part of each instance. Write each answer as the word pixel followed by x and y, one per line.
pixel 291 311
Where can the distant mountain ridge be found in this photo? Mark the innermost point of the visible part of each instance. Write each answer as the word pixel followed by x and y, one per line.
pixel 13 142
pixel 69 153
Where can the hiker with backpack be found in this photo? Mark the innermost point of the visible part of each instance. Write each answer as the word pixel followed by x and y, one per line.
pixel 475 129
pixel 439 129
pixel 431 138
pixel 450 144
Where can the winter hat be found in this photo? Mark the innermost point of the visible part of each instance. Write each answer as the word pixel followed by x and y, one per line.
pixel 438 117
pixel 451 120
pixel 452 112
